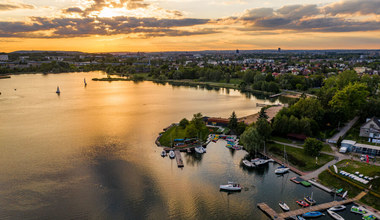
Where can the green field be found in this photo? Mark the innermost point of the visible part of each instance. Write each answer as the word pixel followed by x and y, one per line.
pixel 371 200
pixel 326 147
pixel 297 158
pixel 328 179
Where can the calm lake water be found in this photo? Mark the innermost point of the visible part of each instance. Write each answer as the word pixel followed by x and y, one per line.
pixel 90 154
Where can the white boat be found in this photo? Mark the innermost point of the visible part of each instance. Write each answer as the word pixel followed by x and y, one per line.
pixel 334 215
pixel 231 186
pixel 58 91
pixel 337 208
pixel 204 149
pixel 163 153
pixel 284 206
pixel 171 154
pixel 248 164
pixel 260 162
pixel 344 194
pixel 281 170
pixel 199 150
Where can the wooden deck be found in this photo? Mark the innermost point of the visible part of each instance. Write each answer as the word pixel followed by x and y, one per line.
pixel 178 158
pixel 280 216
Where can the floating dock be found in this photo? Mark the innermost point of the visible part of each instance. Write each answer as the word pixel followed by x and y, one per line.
pixel 320 186
pixel 281 216
pixel 178 158
pixel 275 95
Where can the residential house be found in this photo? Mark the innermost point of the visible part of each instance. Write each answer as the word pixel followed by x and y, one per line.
pixel 371 130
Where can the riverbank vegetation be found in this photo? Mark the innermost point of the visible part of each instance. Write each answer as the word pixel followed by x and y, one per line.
pixel 185 129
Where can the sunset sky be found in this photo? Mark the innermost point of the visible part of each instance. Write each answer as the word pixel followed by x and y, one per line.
pixel 187 25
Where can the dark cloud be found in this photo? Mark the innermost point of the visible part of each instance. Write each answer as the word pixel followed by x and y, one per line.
pixel 7 7
pixel 40 27
pixel 310 18
pixel 363 7
pixel 72 10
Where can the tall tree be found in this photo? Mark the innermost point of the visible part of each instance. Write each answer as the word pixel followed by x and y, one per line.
pixel 251 139
pixel 349 100
pixel 312 146
pixel 263 129
pixel 233 123
pixel 263 114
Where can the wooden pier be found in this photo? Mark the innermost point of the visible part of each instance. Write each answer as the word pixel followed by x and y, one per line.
pixel 281 216
pixel 178 158
pixel 275 95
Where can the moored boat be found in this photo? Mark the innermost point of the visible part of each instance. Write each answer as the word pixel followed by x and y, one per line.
pixel 171 154
pixel 358 210
pixel 248 163
pixel 163 153
pixel 58 91
pixel 231 186
pixel 334 215
pixel 305 183
pixel 199 150
pixel 281 170
pixel 312 214
pixel 302 203
pixel 300 217
pixel 310 200
pixel 284 206
pixel 337 208
pixel 368 217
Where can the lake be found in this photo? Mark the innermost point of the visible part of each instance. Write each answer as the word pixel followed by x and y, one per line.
pixel 89 153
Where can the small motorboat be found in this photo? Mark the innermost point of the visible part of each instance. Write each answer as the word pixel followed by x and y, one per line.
pixel 334 215
pixel 358 210
pixel 231 186
pixel 344 194
pixel 163 153
pixel 248 163
pixel 58 91
pixel 284 206
pixel 312 214
pixel 368 217
pixel 260 162
pixel 281 170
pixel 171 154
pixel 302 203
pixel 199 150
pixel 337 208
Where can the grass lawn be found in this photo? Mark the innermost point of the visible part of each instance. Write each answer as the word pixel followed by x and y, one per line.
pixel 285 140
pixel 363 168
pixel 371 200
pixel 297 157
pixel 328 179
pixel 326 148
pixel 177 132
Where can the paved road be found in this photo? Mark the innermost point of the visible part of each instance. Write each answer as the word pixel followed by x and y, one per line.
pixel 344 130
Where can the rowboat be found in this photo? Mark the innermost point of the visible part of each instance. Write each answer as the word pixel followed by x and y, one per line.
pixel 337 208
pixel 163 153
pixel 171 154
pixel 334 215
pixel 248 163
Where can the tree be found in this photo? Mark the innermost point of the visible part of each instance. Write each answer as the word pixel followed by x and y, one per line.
pixel 233 123
pixel 308 107
pixel 346 102
pixel 183 123
pixel 198 121
pixel 191 130
pixel 251 139
pixel 312 146
pixel 241 126
pixel 263 114
pixel 263 129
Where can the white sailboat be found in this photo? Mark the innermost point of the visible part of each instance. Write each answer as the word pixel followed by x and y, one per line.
pixel 282 169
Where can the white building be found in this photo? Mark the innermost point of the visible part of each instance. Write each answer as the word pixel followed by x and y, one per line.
pixel 3 57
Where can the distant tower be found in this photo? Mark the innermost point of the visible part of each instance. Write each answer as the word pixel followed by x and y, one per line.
pixel 279 49
pixel 237 51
